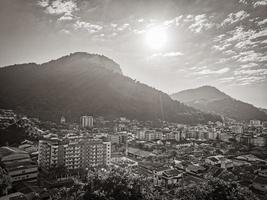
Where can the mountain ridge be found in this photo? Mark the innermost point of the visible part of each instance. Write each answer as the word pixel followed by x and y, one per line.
pixel 210 99
pixel 72 86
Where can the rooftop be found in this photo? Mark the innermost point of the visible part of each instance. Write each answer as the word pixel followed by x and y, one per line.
pixel 6 151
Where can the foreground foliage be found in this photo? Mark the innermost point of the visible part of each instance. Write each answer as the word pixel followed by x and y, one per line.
pixel 122 185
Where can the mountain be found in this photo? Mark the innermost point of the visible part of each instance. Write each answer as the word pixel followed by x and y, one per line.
pixel 210 99
pixel 83 83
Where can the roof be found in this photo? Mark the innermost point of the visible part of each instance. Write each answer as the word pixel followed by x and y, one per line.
pixel 139 152
pixel 16 195
pixel 153 166
pixel 172 172
pixel 19 166
pixel 215 171
pixel 213 159
pixel 195 168
pixel 260 180
pixel 6 151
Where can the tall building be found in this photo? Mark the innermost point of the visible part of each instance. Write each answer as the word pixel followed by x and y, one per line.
pixel 141 134
pixel 73 154
pixel 62 120
pixel 255 123
pixel 87 121
pixel 95 153
pixel 51 153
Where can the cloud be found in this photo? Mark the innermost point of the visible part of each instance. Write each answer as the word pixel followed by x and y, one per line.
pixel 221 47
pixel 43 3
pixel 249 65
pixel 60 7
pixel 229 52
pixel 174 21
pixel 209 71
pixel 251 56
pixel 227 79
pixel 244 1
pixel 65 31
pixel 249 79
pixel 168 54
pixel 91 28
pixel 242 38
pixel 251 72
pixel 123 27
pixel 201 22
pixel 260 3
pixel 239 37
pixel 235 17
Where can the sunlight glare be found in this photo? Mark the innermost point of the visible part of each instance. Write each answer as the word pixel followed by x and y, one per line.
pixel 156 38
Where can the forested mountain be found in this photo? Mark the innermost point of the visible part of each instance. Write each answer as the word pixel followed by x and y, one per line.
pixel 210 99
pixel 83 83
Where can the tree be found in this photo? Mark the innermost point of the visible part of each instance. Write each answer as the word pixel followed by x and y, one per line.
pixel 215 189
pixel 117 184
pixel 121 185
pixel 5 182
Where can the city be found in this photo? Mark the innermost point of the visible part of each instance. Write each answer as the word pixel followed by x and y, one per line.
pixel 55 158
pixel 133 100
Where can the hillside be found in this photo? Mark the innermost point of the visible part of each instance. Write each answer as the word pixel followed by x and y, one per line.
pixel 210 99
pixel 83 83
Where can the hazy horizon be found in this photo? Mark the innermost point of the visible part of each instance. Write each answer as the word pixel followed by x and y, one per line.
pixel 169 45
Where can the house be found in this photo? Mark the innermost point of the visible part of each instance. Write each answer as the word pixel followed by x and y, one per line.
pixel 171 176
pixel 260 182
pixel 16 196
pixel 195 169
pixel 138 153
pixel 214 160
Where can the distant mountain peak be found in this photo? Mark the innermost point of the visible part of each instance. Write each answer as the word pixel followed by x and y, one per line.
pixel 210 99
pixel 84 58
pixel 206 92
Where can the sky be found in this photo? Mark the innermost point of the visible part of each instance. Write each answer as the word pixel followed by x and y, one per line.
pixel 221 43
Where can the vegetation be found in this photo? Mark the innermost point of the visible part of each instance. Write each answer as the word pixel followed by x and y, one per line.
pixel 74 85
pixel 121 185
pixel 210 99
pixel 5 182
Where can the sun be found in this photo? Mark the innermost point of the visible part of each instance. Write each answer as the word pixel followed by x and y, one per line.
pixel 156 38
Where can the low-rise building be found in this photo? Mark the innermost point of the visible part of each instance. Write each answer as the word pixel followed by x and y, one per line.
pixel 18 164
pixel 260 182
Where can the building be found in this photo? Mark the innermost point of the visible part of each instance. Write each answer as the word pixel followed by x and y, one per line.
pixel 119 138
pixel 18 164
pixel 95 153
pixel 138 153
pixel 51 153
pixel 16 196
pixel 141 134
pixel 87 121
pixel 149 135
pixel 62 120
pixel 73 154
pixel 237 129
pixel 260 141
pixel 255 123
pixel 214 160
pixel 114 139
pixel 260 182
pixel 171 176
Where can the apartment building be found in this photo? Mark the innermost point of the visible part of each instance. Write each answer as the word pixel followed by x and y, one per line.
pixel 74 154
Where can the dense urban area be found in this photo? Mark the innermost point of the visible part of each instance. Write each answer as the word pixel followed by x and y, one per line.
pixel 129 159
